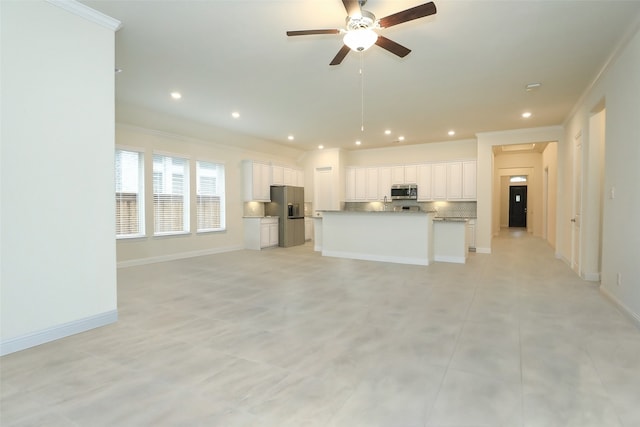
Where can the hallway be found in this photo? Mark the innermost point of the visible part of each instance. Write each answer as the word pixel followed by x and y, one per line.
pixel 285 337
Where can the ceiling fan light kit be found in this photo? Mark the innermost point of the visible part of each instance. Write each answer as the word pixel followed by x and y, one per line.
pixel 359 34
pixel 360 40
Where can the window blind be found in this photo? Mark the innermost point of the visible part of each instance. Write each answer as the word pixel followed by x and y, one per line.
pixel 210 196
pixel 170 194
pixel 129 175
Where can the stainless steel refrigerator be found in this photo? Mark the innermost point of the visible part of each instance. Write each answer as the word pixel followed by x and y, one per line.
pixel 287 202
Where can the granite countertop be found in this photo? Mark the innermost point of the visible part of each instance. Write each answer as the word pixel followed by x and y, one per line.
pixel 450 219
pixel 403 212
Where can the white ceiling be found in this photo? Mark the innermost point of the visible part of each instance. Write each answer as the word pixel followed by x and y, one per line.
pixel 467 70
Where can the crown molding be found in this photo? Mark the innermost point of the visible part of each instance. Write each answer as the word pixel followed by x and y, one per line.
pixel 87 13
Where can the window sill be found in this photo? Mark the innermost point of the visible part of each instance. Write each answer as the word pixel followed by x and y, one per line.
pixel 132 237
pixel 213 230
pixel 172 234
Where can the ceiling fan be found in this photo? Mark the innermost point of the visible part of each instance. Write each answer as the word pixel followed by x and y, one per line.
pixel 360 35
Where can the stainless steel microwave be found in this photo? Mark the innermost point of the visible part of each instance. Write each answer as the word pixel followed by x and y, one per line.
pixel 404 192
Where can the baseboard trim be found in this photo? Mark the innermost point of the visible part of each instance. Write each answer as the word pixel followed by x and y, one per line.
pixel 453 259
pixel 591 277
pixel 177 256
pixel 379 258
pixel 635 317
pixel 483 250
pixel 56 332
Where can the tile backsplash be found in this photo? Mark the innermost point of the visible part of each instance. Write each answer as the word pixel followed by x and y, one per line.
pixel 253 209
pixel 443 209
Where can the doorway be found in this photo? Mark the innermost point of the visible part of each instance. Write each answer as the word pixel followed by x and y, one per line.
pixel 518 206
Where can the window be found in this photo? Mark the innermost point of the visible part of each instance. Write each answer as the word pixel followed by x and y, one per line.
pixel 129 194
pixel 170 195
pixel 210 196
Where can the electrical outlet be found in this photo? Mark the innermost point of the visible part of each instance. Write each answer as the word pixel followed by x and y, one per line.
pixel 612 193
pixel 619 279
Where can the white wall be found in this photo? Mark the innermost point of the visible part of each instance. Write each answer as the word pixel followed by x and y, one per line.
pixel 550 164
pixel 618 89
pixel 411 154
pixel 154 249
pixel 58 268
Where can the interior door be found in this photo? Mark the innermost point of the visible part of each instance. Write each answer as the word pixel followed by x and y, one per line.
pixel 577 204
pixel 518 206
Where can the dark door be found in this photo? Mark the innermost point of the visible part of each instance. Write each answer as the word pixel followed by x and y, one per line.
pixel 518 206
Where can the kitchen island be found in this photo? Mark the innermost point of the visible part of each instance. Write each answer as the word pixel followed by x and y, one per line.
pixel 398 237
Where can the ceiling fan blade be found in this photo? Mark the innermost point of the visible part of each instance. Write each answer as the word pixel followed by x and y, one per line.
pixel 311 32
pixel 340 56
pixel 408 15
pixel 393 47
pixel 352 7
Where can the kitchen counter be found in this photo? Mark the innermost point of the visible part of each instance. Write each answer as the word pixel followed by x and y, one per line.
pixel 450 240
pixel 403 237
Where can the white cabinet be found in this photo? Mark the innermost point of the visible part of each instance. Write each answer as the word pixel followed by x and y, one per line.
pixel 411 174
pixel 260 232
pixel 350 182
pixel 404 174
pixel 361 184
pixel 397 175
pixel 471 233
pixel 454 180
pixel 371 191
pixel 273 234
pixel 277 175
pixel 308 229
pixel 384 183
pixel 424 178
pixel 287 175
pixel 257 181
pixel 469 174
pixel 439 183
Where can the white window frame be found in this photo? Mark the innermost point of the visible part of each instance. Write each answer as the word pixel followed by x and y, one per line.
pixel 218 192
pixel 168 191
pixel 133 181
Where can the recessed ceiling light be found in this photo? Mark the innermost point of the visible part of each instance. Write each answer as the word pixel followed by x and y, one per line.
pixel 451 132
pixel 176 95
pixel 358 142
pixel 290 138
pixel 387 132
pixel 235 114
pixel 532 86
pixel 401 138
pixel 526 114
pixel 320 147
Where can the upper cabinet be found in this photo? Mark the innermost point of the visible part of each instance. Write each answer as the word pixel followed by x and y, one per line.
pixel 384 183
pixel 469 180
pixel 439 182
pixel 424 182
pixel 404 174
pixel 362 184
pixel 286 175
pixel 260 176
pixel 257 181
pixel 453 181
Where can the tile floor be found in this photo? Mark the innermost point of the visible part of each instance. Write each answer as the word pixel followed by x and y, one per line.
pixel 285 337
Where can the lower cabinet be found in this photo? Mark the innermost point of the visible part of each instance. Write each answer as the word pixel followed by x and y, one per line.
pixel 308 229
pixel 260 232
pixel 471 234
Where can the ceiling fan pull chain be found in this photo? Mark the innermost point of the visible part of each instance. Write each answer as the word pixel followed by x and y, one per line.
pixel 361 91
